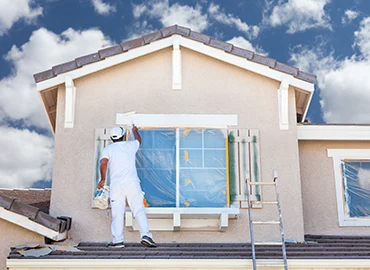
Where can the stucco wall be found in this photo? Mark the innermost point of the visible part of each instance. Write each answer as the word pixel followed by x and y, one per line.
pixel 12 235
pixel 144 85
pixel 318 188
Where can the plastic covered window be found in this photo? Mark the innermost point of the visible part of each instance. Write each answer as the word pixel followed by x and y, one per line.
pixel 183 167
pixel 356 184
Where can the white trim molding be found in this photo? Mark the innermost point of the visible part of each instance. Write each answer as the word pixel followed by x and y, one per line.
pixel 176 66
pixel 70 103
pixel 283 101
pixel 220 264
pixel 338 156
pixel 179 120
pixel 28 224
pixel 333 132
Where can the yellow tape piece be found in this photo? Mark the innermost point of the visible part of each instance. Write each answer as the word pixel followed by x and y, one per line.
pixel 186 203
pixel 186 131
pixel 188 181
pixel 186 156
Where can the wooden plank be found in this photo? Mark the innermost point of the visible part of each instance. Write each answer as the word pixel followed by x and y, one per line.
pixel 255 167
pixel 244 161
pixel 234 167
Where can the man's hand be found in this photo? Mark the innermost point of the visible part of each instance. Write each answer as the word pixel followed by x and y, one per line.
pixel 101 184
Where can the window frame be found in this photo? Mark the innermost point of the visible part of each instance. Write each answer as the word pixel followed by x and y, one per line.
pixel 339 155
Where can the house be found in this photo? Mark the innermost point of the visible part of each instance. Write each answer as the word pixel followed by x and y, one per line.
pixel 211 116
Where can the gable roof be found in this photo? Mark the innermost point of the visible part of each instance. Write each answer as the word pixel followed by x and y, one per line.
pixel 29 216
pixel 164 33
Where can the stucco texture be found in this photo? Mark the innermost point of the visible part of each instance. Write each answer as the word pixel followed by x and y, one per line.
pixel 144 85
pixel 318 187
pixel 13 235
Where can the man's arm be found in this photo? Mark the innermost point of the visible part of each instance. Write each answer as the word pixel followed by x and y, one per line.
pixel 103 172
pixel 135 131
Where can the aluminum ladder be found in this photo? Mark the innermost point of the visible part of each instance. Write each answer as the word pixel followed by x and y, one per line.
pixel 279 222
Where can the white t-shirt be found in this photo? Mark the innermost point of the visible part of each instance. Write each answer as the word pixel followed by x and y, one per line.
pixel 121 156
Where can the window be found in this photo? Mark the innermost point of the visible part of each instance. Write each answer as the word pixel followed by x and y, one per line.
pixel 352 179
pixel 183 167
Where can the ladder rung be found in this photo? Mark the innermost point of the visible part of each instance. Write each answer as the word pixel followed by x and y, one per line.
pixel 262 183
pixel 267 222
pixel 268 243
pixel 263 202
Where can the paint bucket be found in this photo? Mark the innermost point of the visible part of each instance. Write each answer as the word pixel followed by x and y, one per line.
pixel 101 198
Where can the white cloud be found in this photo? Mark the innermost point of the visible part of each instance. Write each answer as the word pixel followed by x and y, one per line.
pixel 18 96
pixel 103 8
pixel 12 11
pixel 344 84
pixel 349 15
pixel 299 15
pixel 245 44
pixel 168 15
pixel 228 19
pixel 29 157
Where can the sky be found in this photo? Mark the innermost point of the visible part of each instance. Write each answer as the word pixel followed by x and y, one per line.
pixel 328 38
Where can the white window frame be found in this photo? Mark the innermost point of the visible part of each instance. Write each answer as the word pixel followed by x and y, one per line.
pixel 338 156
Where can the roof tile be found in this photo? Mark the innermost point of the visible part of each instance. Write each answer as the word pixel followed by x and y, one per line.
pixel 44 75
pixel 264 60
pixel 199 37
pixel 131 44
pixel 169 31
pixel 306 77
pixel 65 67
pixel 184 31
pixel 152 37
pixel 221 45
pixel 24 209
pixel 6 202
pixel 48 221
pixel 87 59
pixel 242 52
pixel 110 51
pixel 287 69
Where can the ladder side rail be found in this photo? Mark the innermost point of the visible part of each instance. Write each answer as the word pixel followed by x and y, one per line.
pixel 283 247
pixel 251 231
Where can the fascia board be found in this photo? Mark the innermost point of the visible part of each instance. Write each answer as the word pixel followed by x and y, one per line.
pixel 187 43
pixel 181 263
pixel 329 132
pixel 24 222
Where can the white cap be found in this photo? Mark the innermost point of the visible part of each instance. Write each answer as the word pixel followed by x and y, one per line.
pixel 117 132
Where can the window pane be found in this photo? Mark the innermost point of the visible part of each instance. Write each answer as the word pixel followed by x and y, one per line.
pixel 202 188
pixel 356 183
pixel 156 166
pixel 202 169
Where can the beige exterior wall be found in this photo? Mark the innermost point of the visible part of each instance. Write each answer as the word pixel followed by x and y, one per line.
pixel 12 235
pixel 318 188
pixel 144 85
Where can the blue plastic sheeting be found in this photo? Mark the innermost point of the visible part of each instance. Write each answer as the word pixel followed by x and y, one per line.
pixel 356 183
pixel 201 168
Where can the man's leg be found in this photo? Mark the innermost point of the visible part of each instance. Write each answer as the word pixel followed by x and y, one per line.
pixel 135 200
pixel 118 205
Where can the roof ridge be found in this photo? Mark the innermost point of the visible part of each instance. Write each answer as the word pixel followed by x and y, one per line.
pixel 165 33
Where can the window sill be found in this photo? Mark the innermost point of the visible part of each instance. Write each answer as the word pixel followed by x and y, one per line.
pixel 176 219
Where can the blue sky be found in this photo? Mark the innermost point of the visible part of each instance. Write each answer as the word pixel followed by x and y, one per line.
pixel 329 38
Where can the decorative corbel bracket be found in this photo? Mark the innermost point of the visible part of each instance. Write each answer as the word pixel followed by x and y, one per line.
pixel 70 101
pixel 176 66
pixel 283 105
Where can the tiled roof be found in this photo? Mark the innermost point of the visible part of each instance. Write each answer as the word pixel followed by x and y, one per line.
pixel 39 198
pixel 315 247
pixel 164 33
pixel 12 202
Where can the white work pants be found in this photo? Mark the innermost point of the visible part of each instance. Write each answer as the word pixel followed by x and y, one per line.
pixel 131 191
